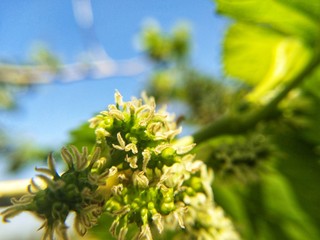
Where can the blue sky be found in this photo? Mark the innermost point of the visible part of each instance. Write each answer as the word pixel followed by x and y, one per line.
pixel 48 112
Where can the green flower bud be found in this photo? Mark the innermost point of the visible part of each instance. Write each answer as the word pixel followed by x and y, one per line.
pixel 72 191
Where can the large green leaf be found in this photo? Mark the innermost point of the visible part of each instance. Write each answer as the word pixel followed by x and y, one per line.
pixel 248 51
pixel 299 162
pixel 283 209
pixel 271 43
pixel 262 57
pixel 273 14
pixel 266 210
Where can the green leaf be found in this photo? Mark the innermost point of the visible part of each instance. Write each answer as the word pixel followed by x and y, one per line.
pixel 272 14
pixel 299 163
pixel 82 136
pixel 290 58
pixel 248 51
pixel 271 42
pixel 313 83
pixel 262 57
pixel 230 197
pixel 283 209
pixel 311 7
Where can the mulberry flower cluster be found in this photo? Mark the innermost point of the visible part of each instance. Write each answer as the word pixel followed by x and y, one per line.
pixel 137 172
pixel 157 178
pixel 73 191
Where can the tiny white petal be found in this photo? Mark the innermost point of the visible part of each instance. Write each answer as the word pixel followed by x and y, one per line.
pixel 157 219
pixel 145 232
pixel 178 214
pixel 117 114
pixel 117 147
pixel 140 180
pixel 118 98
pixel 158 149
pixel 112 171
pixel 184 149
pixel 132 161
pixel 131 147
pixel 101 132
pixel 146 158
pixel 120 140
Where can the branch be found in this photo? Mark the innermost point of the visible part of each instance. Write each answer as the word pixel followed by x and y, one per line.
pixel 42 74
pixel 240 123
pixel 12 188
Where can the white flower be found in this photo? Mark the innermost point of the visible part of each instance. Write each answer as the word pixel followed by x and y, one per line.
pixel 132 161
pixel 146 158
pixel 116 113
pixel 122 145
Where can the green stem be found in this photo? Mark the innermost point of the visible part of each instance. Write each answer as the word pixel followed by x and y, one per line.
pixel 240 123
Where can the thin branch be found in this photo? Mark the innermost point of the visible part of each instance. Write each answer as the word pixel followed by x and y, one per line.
pixel 41 74
pixel 12 188
pixel 241 123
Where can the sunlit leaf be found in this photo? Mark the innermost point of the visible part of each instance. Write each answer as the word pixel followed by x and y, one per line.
pixel 290 58
pixel 272 14
pixel 248 51
pixel 263 58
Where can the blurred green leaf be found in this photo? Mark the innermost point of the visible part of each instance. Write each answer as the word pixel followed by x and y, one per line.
pixel 268 209
pixel 310 7
pixel 299 163
pixel 259 56
pixel 270 43
pixel 44 57
pixel 82 136
pixel 283 209
pixel 6 98
pixel 249 51
pixel 313 83
pixel 272 14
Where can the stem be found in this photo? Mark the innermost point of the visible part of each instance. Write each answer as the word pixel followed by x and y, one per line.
pixel 12 188
pixel 236 124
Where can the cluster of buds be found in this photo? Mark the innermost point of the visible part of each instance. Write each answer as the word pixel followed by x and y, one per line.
pixel 156 177
pixel 73 191
pixel 137 172
pixel 240 158
pixel 204 220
